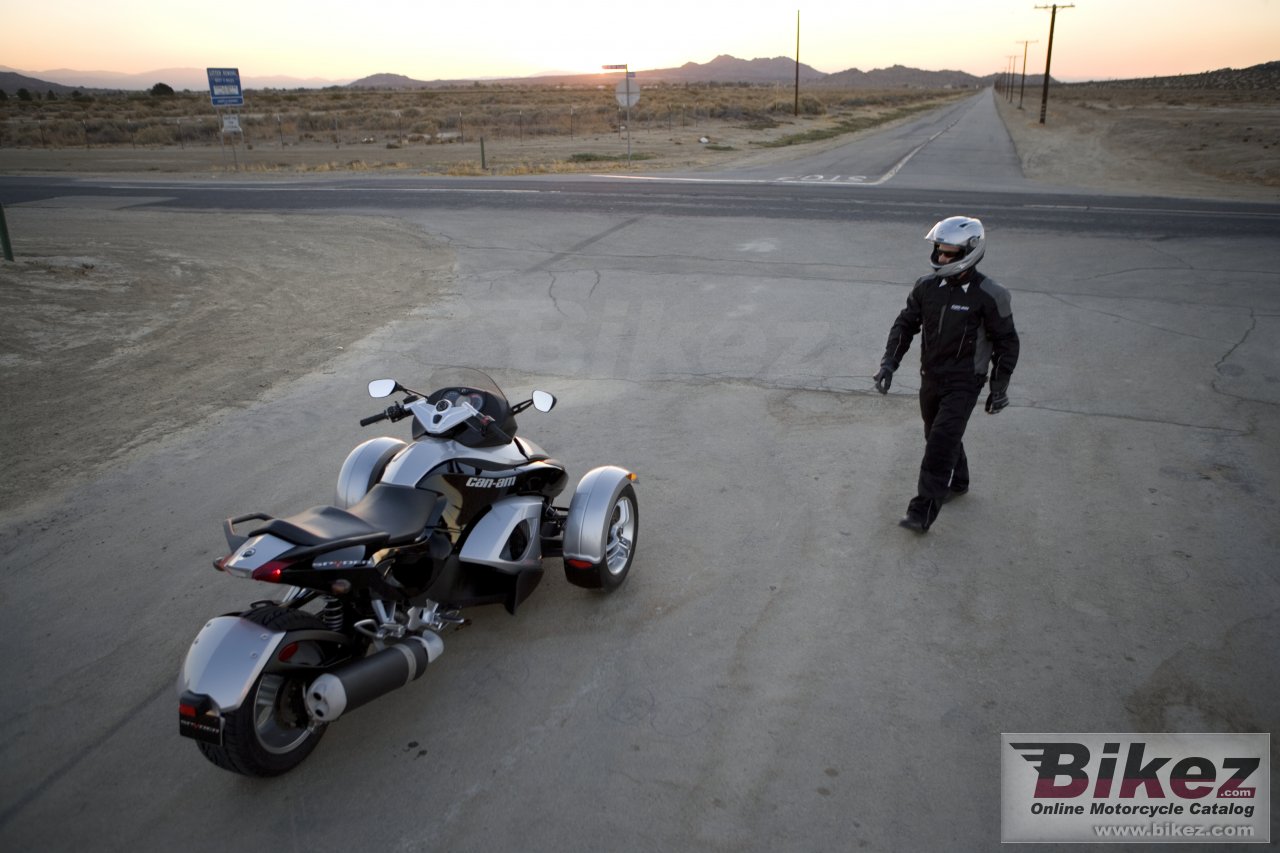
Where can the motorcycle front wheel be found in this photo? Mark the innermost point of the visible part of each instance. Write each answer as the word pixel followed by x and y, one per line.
pixel 271 732
pixel 622 527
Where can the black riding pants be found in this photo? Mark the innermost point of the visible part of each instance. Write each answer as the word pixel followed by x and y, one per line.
pixel 945 405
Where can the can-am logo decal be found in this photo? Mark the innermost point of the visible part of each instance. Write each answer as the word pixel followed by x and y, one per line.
pixel 491 482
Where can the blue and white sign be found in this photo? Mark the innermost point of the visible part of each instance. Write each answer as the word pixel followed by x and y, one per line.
pixel 224 87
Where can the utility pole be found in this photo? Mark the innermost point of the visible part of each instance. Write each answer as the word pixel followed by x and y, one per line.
pixel 1048 56
pixel 797 112
pixel 1022 91
pixel 1013 67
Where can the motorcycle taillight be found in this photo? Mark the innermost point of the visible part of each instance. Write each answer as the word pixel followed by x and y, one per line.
pixel 270 572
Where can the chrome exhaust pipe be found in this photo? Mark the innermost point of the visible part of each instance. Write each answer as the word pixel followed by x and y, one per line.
pixel 360 682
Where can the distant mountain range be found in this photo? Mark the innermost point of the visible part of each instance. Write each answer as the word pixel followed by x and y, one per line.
pixel 64 81
pixel 724 69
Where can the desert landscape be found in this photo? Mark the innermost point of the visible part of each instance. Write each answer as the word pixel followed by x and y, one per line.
pixel 492 130
pixel 1211 134
pixel 1198 142
pixel 65 325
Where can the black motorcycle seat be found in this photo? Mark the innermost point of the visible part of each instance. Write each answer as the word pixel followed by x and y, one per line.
pixel 402 511
pixel 399 513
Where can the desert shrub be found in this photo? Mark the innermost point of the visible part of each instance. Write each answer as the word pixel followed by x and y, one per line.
pixel 314 122
pixel 465 168
pixel 156 134
pixel 106 133
pixel 807 105
pixel 811 106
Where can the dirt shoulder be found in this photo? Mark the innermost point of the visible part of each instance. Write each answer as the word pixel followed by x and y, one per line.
pixel 1209 144
pixel 152 321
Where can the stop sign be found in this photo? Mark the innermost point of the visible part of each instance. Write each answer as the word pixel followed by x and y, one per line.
pixel 628 98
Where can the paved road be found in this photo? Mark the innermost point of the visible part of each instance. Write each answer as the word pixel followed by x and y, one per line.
pixel 786 668
pixel 957 158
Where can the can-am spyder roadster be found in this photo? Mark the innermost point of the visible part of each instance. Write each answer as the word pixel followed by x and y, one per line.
pixel 461 516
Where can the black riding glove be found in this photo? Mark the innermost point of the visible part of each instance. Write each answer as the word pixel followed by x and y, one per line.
pixel 884 378
pixel 998 398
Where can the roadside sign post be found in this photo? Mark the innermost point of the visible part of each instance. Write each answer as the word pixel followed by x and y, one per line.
pixel 628 95
pixel 225 91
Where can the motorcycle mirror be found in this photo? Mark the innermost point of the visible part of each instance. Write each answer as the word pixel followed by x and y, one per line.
pixel 380 388
pixel 543 401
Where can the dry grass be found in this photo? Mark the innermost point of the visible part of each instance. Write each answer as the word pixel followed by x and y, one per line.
pixel 524 128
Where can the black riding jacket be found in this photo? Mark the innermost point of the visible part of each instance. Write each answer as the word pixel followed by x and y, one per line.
pixel 966 324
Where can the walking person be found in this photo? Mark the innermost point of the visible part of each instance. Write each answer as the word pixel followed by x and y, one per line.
pixel 967 323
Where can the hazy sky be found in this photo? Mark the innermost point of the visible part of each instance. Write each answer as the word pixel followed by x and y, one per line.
pixel 431 39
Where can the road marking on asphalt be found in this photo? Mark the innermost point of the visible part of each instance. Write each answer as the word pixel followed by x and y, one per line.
pixel 97 202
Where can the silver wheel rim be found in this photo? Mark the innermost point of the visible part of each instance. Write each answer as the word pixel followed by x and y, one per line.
pixel 273 715
pixel 621 537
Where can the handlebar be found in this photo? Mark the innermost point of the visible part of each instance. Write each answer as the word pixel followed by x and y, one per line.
pixel 477 420
pixel 391 413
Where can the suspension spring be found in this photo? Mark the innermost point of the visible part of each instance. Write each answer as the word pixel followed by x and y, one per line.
pixel 332 615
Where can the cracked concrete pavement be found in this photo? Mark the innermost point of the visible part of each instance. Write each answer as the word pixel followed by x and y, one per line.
pixel 785 666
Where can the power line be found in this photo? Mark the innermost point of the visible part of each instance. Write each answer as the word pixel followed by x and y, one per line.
pixel 1048 57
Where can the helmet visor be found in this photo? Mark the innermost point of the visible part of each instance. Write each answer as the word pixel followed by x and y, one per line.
pixel 944 253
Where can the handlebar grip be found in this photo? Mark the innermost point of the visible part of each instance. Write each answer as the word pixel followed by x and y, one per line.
pixel 373 419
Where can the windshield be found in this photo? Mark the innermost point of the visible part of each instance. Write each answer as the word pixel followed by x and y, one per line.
pixel 463 377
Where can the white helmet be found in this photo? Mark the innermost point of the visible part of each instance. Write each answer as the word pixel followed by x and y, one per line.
pixel 962 231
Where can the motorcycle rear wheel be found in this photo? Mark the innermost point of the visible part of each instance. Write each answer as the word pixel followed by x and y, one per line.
pixel 271 732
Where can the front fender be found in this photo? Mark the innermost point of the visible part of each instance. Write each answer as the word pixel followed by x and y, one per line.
pixel 587 527
pixel 226 658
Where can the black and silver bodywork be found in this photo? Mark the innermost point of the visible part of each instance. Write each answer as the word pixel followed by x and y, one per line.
pixel 462 515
